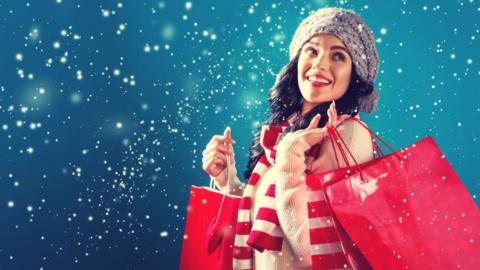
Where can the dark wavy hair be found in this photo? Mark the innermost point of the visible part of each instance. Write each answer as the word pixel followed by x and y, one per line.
pixel 285 99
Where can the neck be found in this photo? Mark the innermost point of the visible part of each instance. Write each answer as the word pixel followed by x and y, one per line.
pixel 306 107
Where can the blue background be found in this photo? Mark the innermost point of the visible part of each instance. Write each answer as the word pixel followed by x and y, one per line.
pixel 106 106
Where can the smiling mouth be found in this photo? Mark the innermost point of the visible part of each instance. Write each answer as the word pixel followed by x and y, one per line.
pixel 317 82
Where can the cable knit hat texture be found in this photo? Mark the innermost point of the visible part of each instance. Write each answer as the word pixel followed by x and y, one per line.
pixel 354 33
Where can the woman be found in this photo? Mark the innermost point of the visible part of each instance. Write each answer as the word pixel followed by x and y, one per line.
pixel 333 66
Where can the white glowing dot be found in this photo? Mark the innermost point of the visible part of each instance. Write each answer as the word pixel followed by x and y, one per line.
pixel 90 218
pixel 452 56
pixel 213 37
pixel 188 5
pixel 29 208
pixel 469 61
pixel 122 26
pixel 5 127
pixel 56 45
pixel 19 123
pixel 105 13
pixel 10 204
pixel 24 109
pixel 120 5
pixel 119 125
pixel 383 31
pixel 63 59
pixel 16 183
pixel 79 75
pixel 164 234
pixel 19 57
pixel 63 32
pixel 147 48
pixel 116 72
pixel 30 150
pixel 459 124
pixel 41 90
pixel 59 1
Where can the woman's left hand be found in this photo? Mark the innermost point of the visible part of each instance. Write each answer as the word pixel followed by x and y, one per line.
pixel 314 135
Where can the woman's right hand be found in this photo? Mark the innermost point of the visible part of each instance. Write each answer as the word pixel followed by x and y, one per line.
pixel 215 154
pixel 312 134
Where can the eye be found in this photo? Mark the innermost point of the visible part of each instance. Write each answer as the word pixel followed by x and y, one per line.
pixel 310 50
pixel 338 57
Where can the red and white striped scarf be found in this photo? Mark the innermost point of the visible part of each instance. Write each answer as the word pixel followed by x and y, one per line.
pixel 264 232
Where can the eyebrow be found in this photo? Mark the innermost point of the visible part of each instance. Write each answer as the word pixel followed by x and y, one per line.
pixel 334 47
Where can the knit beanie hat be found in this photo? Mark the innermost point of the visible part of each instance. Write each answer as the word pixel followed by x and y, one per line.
pixel 354 33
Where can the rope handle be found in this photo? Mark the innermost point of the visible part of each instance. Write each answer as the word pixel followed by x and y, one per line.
pixel 226 190
pixel 336 139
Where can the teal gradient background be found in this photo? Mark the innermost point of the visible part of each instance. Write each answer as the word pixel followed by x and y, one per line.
pixel 106 107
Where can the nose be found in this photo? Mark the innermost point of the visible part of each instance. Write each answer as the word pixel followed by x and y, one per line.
pixel 321 61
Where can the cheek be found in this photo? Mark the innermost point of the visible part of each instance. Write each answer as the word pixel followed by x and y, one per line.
pixel 302 65
pixel 343 75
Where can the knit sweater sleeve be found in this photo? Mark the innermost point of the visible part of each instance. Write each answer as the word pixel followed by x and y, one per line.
pixel 291 191
pixel 228 181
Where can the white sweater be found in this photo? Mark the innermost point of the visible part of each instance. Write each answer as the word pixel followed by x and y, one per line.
pixel 291 191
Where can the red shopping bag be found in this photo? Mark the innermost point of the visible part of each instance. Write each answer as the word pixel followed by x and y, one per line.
pixel 406 210
pixel 330 245
pixel 209 230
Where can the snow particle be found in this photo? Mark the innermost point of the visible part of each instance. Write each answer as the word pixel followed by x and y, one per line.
pixel 10 204
pixel 19 57
pixel 56 45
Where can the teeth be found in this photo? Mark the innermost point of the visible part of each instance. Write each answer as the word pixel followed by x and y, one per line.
pixel 319 80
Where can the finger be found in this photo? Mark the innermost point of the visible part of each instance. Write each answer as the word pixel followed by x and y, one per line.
pixel 315 136
pixel 332 114
pixel 343 117
pixel 215 147
pixel 314 122
pixel 214 156
pixel 214 167
pixel 329 113
pixel 227 133
pixel 228 137
pixel 220 139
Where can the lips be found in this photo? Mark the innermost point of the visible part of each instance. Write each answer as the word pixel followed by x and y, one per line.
pixel 318 81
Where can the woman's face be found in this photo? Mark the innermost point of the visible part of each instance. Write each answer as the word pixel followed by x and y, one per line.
pixel 324 70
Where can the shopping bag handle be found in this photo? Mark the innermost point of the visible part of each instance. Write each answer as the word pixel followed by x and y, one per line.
pixel 336 139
